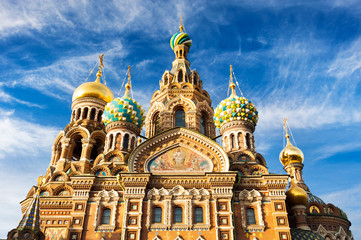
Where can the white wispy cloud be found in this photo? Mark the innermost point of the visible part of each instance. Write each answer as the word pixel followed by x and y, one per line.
pixel 7 98
pixel 22 138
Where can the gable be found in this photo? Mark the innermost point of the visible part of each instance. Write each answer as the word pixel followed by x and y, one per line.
pixel 179 150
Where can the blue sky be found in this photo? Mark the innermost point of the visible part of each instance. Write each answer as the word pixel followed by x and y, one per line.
pixel 300 59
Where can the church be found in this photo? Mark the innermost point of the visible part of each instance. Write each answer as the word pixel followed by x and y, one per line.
pixel 107 181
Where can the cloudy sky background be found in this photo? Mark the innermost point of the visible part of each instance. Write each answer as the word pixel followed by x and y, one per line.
pixel 300 59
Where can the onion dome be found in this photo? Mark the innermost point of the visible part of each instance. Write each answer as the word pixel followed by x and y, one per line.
pixel 180 37
pixel 291 154
pixel 235 108
pixel 124 109
pixel 296 195
pixel 94 89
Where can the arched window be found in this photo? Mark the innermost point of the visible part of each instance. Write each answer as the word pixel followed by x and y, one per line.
pixel 157 215
pixel 132 143
pixel 100 113
pixel 92 114
pixel 203 124
pixel 180 76
pixel 251 217
pixel 181 53
pixel 110 141
pixel 195 80
pixel 97 148
pixel 178 215
pixel 106 216
pixel 77 148
pixel 118 140
pixel 198 215
pixel 156 121
pixel 233 141
pixel 85 113
pixel 180 118
pixel 248 140
pixel 78 113
pixel 126 141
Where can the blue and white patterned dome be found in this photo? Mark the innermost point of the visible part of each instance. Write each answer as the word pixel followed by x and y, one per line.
pixel 124 109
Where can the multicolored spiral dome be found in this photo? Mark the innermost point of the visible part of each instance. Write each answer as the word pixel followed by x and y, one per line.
pixel 180 38
pixel 235 108
pixel 124 109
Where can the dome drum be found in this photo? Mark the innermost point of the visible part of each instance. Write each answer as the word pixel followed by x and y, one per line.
pixel 122 125
pixel 247 126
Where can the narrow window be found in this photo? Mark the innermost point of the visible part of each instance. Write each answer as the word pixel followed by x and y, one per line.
pixel 77 149
pixel 248 140
pixel 78 113
pixel 233 141
pixel 110 141
pixel 180 76
pixel 251 218
pixel 106 216
pixel 157 215
pixel 100 113
pixel 92 114
pixel 157 126
pixel 178 215
pixel 203 124
pixel 198 215
pixel 126 141
pixel 180 118
pixel 85 113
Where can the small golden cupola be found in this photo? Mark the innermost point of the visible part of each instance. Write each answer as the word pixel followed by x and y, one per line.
pixel 94 89
pixel 296 195
pixel 290 154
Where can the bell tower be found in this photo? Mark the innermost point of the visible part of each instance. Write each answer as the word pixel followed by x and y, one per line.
pixel 181 100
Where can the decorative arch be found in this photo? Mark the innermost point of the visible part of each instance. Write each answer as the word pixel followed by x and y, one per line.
pixel 119 169
pixel 61 188
pixel 186 139
pixel 186 103
pixel 79 130
pixel 114 153
pixel 96 169
pixel 59 173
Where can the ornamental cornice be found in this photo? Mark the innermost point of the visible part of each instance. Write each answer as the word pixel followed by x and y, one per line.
pixel 122 124
pixel 87 100
pixel 231 124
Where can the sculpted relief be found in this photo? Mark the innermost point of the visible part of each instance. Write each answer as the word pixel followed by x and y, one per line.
pixel 180 160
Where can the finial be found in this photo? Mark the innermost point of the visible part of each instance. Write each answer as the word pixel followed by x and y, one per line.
pixel 181 28
pixel 40 183
pixel 231 84
pixel 286 129
pixel 99 74
pixel 128 86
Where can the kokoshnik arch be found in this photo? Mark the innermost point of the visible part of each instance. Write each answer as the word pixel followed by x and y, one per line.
pixel 105 182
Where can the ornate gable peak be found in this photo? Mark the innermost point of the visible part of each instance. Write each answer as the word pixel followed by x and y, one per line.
pixel 179 138
pixel 188 104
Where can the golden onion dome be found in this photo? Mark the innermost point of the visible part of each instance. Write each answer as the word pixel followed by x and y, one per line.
pixel 296 195
pixel 291 154
pixel 93 89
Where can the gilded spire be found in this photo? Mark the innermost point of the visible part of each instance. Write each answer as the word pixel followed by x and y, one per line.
pixel 231 84
pixel 128 85
pixel 99 74
pixel 286 129
pixel 181 27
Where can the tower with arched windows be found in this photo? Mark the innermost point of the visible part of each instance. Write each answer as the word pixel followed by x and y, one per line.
pixel 179 183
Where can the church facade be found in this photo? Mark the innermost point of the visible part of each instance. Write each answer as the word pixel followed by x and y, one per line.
pixel 105 181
